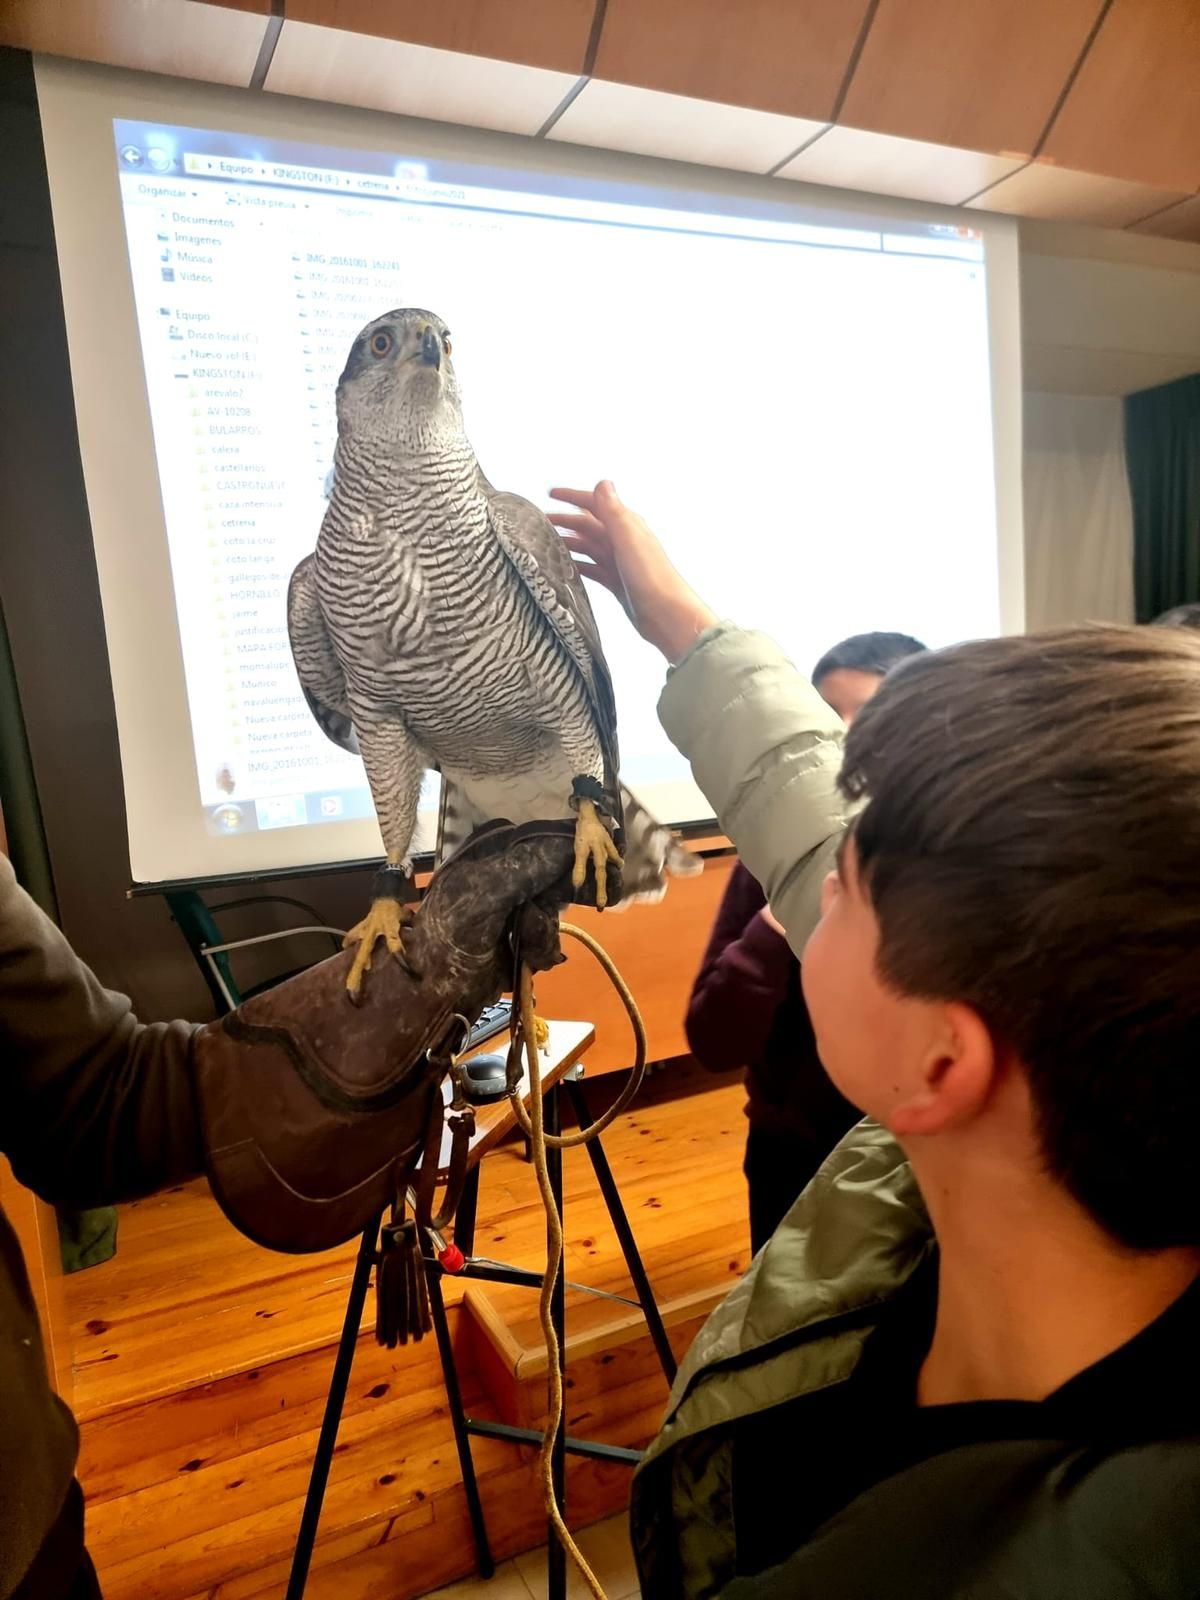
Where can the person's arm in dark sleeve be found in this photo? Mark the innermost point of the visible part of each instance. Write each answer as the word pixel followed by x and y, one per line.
pixel 98 1107
pixel 742 981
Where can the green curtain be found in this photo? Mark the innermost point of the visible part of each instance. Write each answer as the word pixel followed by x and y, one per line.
pixel 85 1237
pixel 1162 452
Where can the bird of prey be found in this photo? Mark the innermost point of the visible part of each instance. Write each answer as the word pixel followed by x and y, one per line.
pixel 441 624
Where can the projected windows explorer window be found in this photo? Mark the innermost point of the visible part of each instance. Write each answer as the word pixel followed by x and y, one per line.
pixel 709 354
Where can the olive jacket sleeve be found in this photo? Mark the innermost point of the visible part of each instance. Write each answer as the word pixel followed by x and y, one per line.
pixel 766 751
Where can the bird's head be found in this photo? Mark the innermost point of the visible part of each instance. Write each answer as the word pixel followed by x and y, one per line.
pixel 398 384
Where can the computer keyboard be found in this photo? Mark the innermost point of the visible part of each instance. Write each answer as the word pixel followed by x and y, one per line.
pixel 492 1020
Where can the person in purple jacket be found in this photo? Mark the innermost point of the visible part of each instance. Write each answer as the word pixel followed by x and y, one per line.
pixel 747 1010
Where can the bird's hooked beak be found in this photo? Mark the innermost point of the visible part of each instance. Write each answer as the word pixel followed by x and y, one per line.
pixel 431 348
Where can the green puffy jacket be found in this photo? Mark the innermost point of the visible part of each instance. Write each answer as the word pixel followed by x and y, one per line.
pixel 766 750
pixel 1092 1499
pixel 795 1325
pixel 1105 1510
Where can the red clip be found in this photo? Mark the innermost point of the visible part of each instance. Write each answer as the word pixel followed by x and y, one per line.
pixel 451 1259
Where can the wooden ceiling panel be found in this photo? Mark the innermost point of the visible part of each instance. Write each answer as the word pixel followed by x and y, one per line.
pixel 848 158
pixel 977 74
pixel 178 37
pixel 357 69
pixel 785 56
pixel 615 116
pixel 1180 221
pixel 1045 190
pixel 537 33
pixel 1134 110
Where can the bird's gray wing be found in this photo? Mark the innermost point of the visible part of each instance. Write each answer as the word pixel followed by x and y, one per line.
pixel 535 549
pixel 317 665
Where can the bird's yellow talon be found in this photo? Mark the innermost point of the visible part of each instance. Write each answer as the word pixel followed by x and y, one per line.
pixel 541 1032
pixel 384 921
pixel 354 979
pixel 594 846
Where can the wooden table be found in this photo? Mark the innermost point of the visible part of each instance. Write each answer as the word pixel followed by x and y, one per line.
pixel 565 1047
pixel 658 950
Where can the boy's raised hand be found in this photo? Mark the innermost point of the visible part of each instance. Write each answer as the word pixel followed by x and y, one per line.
pixel 613 546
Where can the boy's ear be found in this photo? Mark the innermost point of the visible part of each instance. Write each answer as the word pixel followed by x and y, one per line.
pixel 956 1079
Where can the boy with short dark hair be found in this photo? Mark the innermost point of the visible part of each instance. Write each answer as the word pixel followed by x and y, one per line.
pixel 849 673
pixel 965 1363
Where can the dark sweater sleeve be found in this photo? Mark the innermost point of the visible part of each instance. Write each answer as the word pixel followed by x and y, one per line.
pixel 742 982
pixel 99 1107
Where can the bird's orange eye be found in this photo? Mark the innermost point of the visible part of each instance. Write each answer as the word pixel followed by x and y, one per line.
pixel 381 342
pixel 448 344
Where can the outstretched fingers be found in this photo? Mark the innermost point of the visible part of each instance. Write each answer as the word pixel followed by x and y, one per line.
pixel 582 499
pixel 593 562
pixel 588 536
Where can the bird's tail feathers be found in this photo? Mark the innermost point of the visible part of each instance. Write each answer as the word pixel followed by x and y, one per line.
pixel 458 819
pixel 652 855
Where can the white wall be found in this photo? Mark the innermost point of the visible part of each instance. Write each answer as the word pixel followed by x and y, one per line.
pixel 1078 520
pixel 1105 312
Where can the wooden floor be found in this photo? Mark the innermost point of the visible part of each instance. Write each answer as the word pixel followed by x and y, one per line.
pixel 203 1361
pixel 605 1546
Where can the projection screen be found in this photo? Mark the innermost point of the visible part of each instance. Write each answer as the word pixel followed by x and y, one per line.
pixel 813 396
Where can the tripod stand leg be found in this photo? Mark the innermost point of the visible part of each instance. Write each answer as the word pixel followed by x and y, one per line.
pixel 464 1217
pixel 556 1559
pixel 462 1438
pixel 620 1222
pixel 336 1399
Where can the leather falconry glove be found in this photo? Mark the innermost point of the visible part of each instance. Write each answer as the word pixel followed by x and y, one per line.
pixel 316 1110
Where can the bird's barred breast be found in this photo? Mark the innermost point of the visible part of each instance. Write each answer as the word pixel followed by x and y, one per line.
pixel 441 631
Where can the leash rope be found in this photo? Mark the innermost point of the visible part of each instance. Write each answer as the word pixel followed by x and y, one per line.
pixel 637 1072
pixel 534 1128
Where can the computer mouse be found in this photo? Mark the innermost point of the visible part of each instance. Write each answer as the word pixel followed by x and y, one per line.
pixel 485 1079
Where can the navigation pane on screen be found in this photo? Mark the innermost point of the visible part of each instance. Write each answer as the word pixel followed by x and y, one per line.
pixel 798 400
